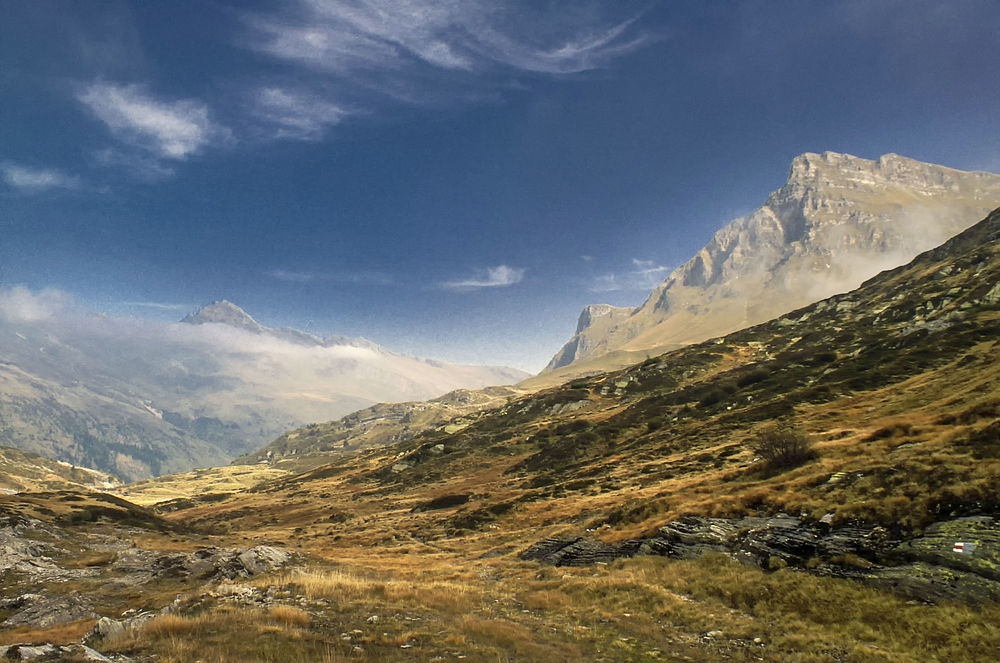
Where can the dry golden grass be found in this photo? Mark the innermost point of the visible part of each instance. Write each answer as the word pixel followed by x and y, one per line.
pixel 63 633
pixel 285 614
pixel 897 447
pixel 166 626
pixel 345 585
pixel 516 639
pixel 226 635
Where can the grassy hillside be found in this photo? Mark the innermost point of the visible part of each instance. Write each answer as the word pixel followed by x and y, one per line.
pixel 412 551
pixel 24 471
pixel 378 426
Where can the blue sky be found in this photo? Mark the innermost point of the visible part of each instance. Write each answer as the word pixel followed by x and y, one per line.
pixel 449 179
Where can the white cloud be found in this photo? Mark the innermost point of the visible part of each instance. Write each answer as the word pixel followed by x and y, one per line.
pixel 34 180
pixel 159 306
pixel 168 129
pixel 357 278
pixel 139 165
pixel 645 275
pixel 491 277
pixel 19 304
pixel 298 115
pixel 349 38
pixel 292 277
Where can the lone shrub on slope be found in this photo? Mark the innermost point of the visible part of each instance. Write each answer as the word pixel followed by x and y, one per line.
pixel 781 446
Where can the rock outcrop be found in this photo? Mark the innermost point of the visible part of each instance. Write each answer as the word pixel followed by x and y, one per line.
pixel 836 222
pixel 957 560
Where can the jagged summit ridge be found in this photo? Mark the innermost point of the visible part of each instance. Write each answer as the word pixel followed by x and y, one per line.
pixel 224 313
pixel 837 221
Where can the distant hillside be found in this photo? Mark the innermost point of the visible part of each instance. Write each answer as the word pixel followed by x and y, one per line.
pixel 837 221
pixel 143 399
pixel 895 385
pixel 23 471
pixel 378 426
pixel 627 516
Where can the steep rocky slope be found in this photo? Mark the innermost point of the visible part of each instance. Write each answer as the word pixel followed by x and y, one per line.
pixel 377 426
pixel 837 221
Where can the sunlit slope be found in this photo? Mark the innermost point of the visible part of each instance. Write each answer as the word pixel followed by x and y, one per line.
pixel 415 549
pixel 22 471
pixel 895 382
pixel 378 426
pixel 837 221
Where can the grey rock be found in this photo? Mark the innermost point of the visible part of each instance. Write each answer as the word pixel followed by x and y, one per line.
pixel 934 584
pixel 579 551
pixel 141 566
pixel 837 221
pixel 262 559
pixel 46 611
pixel 53 652
pixel 926 567
pixel 937 546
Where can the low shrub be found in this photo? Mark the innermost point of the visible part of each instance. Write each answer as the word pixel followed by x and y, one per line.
pixel 782 446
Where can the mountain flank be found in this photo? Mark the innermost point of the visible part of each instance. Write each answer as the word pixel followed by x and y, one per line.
pixel 380 425
pixel 837 221
pixel 624 516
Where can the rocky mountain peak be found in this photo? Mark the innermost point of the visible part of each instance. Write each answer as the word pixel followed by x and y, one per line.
pixel 225 313
pixel 594 311
pixel 836 221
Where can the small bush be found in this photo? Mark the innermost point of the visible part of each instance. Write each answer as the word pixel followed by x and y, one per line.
pixel 782 446
pixel 83 516
pixel 753 377
pixel 713 397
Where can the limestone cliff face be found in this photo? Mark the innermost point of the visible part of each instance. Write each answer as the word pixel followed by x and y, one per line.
pixel 836 222
pixel 597 322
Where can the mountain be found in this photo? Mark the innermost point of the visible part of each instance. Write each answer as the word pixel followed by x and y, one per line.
pixel 24 471
pixel 378 426
pixel 231 315
pixel 625 516
pixel 837 221
pixel 225 313
pixel 141 399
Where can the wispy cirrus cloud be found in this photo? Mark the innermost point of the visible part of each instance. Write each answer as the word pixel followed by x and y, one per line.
pixel 36 180
pixel 160 306
pixel 645 275
pixel 296 114
pixel 139 164
pixel 172 130
pixel 491 277
pixel 356 278
pixel 346 37
pixel 425 51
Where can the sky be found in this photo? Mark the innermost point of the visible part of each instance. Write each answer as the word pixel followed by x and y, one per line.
pixel 450 179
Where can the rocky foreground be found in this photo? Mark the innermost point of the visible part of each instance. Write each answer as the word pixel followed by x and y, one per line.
pixel 99 567
pixel 955 560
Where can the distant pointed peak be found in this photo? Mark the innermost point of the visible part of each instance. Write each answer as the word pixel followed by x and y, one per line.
pixel 224 313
